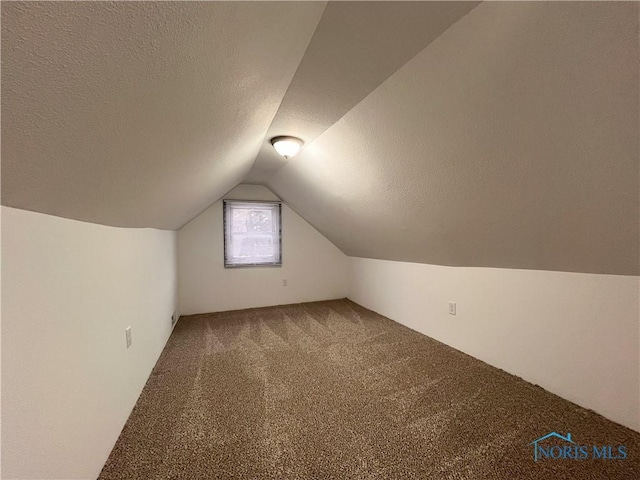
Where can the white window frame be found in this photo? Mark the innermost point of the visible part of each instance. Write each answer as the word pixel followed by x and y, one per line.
pixel 228 234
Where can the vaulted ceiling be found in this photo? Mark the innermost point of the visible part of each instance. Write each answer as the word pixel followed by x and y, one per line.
pixel 141 114
pixel 498 134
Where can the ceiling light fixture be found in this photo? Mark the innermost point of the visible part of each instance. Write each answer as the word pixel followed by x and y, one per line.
pixel 287 146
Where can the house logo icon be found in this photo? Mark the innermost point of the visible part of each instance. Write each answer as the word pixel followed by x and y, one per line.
pixel 564 448
pixel 549 435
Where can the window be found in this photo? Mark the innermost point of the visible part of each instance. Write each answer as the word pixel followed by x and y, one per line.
pixel 252 234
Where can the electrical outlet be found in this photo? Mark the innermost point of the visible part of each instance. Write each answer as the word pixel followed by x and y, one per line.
pixel 452 308
pixel 174 318
pixel 284 282
pixel 127 333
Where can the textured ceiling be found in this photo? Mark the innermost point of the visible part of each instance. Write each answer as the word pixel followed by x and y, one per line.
pixel 140 113
pixel 356 46
pixel 504 135
pixel 512 141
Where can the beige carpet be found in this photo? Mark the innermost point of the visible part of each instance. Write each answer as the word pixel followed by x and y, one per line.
pixel 330 390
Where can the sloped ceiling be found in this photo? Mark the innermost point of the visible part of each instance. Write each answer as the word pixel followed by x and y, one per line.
pixel 501 135
pixel 141 114
pixel 512 141
pixel 356 46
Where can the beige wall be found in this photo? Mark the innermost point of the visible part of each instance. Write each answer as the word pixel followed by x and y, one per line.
pixel 576 335
pixel 313 267
pixel 69 290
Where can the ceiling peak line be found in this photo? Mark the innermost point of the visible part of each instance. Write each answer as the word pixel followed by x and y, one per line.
pixel 356 47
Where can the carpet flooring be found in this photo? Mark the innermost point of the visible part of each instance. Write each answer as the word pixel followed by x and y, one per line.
pixel 331 390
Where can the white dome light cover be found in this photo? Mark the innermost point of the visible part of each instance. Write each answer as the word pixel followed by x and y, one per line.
pixel 287 146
